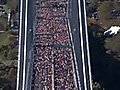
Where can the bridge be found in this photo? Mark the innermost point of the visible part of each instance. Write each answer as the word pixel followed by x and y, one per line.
pixel 78 35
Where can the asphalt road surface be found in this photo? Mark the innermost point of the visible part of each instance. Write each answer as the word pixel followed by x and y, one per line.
pixel 75 30
pixel 29 43
pixel 76 37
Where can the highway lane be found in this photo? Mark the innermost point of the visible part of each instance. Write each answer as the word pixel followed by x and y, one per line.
pixel 24 73
pixel 77 25
pixel 74 24
pixel 30 43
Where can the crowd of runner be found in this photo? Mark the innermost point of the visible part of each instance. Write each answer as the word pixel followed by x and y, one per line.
pixel 53 60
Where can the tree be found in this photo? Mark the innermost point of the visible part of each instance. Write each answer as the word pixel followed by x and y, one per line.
pixel 113 45
pixel 97 86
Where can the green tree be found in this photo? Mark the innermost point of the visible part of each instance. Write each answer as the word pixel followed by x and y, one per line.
pixel 113 45
pixel 97 86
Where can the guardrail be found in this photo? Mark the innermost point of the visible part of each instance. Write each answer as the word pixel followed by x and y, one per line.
pixel 87 45
pixel 25 45
pixel 19 49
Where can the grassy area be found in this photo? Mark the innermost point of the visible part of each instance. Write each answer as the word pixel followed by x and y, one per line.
pixel 113 43
pixel 3 23
pixel 104 13
pixel 11 5
pixel 6 75
pixel 8 50
pixel 4 38
pixel 7 62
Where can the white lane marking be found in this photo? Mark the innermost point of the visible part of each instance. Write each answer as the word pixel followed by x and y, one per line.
pixel 74 55
pixel 87 42
pixel 25 45
pixel 20 30
pixel 53 84
pixel 82 48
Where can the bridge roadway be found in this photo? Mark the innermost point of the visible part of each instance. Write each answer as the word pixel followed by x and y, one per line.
pixel 25 52
pixel 78 25
pixel 78 32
